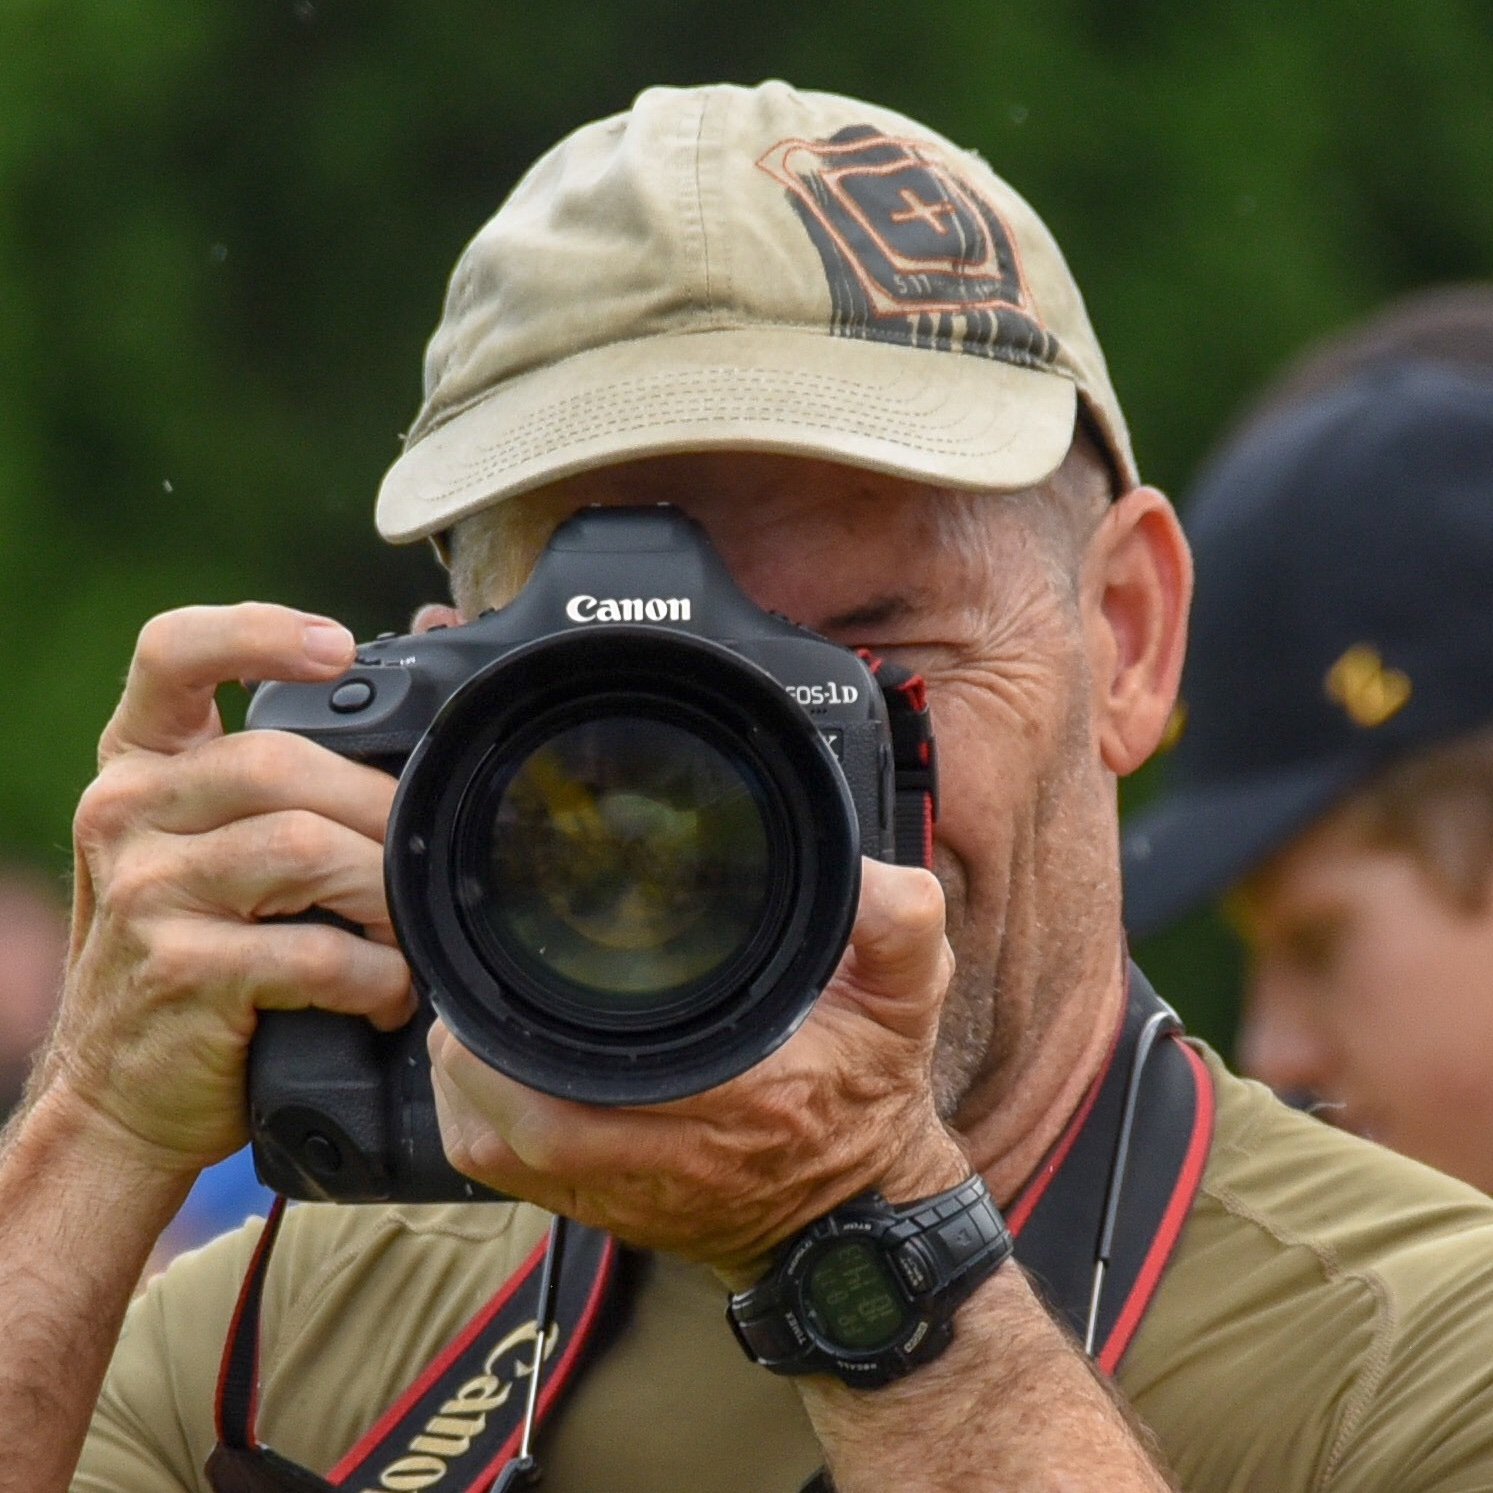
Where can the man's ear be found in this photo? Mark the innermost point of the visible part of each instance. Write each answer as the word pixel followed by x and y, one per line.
pixel 435 614
pixel 1137 587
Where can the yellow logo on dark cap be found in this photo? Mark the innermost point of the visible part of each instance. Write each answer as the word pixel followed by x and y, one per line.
pixel 1369 692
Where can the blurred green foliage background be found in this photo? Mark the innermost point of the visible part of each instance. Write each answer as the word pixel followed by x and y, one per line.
pixel 225 230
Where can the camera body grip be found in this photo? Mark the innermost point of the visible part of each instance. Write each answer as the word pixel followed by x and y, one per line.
pixel 341 1112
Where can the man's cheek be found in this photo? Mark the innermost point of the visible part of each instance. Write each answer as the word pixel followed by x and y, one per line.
pixel 950 872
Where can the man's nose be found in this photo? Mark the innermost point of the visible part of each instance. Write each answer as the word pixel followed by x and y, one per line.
pixel 1280 1043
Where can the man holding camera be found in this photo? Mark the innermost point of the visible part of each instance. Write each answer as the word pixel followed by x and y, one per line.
pixel 856 359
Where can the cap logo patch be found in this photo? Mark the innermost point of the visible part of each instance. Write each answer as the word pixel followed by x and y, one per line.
pixel 912 252
pixel 1369 692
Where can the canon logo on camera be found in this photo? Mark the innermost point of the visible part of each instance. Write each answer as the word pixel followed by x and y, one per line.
pixel 585 608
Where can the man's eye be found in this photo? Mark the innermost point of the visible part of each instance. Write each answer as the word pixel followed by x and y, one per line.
pixel 907 655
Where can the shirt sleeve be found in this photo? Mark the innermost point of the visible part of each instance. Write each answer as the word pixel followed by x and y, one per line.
pixel 1422 1420
pixel 152 1429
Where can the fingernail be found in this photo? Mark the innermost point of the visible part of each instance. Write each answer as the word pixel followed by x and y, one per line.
pixel 327 643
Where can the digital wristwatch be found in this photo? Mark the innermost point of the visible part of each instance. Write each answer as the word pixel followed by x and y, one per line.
pixel 868 1292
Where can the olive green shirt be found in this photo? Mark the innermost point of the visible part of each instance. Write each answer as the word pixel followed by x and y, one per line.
pixel 1326 1323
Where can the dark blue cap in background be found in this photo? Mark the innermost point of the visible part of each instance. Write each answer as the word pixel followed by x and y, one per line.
pixel 1343 616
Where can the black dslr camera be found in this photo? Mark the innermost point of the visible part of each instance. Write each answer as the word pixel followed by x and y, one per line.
pixel 624 854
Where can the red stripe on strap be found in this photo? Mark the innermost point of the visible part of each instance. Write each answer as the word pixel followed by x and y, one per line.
pixel 559 1374
pixel 1189 1179
pixel 453 1350
pixel 250 1290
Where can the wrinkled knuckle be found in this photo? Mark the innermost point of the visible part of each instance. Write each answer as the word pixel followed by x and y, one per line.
pixel 172 961
pixel 106 808
pixel 300 840
pixel 132 886
pixel 319 961
pixel 253 627
pixel 249 619
pixel 266 759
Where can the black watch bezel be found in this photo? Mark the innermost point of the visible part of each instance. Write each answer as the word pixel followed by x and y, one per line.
pixel 930 1256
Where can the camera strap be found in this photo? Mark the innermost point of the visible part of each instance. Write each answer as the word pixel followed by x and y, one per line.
pixel 469 1417
pixel 1097 1224
pixel 914 759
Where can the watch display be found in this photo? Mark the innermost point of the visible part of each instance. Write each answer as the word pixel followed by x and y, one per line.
pixel 853 1303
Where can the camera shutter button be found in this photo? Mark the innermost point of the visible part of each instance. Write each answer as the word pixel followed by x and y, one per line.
pixel 354 695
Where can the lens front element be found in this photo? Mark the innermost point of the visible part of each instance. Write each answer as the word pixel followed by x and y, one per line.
pixel 627 860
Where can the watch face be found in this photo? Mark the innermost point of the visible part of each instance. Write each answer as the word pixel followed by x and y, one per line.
pixel 853 1303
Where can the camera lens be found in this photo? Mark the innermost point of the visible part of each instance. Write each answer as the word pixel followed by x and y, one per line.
pixel 622 864
pixel 625 862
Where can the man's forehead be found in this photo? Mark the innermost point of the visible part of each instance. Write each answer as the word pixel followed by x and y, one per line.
pixel 839 547
pixel 717 481
pixel 746 492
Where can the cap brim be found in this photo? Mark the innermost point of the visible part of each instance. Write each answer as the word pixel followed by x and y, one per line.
pixel 1200 841
pixel 950 418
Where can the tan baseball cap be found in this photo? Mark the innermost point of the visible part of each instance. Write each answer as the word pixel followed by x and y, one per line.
pixel 752 269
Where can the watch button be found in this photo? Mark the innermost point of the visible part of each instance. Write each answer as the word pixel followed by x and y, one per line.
pixel 912 1265
pixel 963 1240
pixel 925 1219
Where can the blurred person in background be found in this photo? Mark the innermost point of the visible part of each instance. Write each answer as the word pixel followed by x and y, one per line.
pixel 1333 780
pixel 33 944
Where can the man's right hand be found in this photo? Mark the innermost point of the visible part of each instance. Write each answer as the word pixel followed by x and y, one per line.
pixel 185 843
